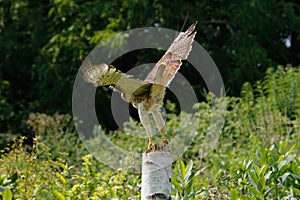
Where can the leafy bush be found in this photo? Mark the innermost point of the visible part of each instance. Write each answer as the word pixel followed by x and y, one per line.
pixel 58 133
pixel 274 173
pixel 28 173
pixel 183 181
pixel 35 175
pixel 257 156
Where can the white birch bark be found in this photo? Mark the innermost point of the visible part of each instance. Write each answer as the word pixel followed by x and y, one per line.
pixel 156 175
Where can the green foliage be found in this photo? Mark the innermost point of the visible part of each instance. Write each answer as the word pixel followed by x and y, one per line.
pixel 7 194
pixel 256 157
pixel 274 173
pixel 41 44
pixel 283 87
pixel 255 118
pixel 35 175
pixel 29 175
pixel 59 134
pixel 182 181
pixel 99 185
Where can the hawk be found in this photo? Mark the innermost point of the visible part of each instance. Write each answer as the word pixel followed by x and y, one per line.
pixel 147 96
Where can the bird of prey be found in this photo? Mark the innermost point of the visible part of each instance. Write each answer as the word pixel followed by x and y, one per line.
pixel 147 96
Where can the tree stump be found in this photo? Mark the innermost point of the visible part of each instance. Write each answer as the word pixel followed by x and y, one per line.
pixel 156 174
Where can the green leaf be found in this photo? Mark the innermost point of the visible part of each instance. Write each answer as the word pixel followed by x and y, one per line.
pixel 284 176
pixel 286 161
pixel 257 170
pixel 268 175
pixel 61 178
pixel 234 194
pixel 297 191
pixel 181 168
pixel 177 197
pixel 263 170
pixel 256 193
pixel 196 193
pixel 188 187
pixel 290 150
pixel 269 191
pixel 176 184
pixel 281 158
pixel 253 177
pixel 60 196
pixel 188 171
pixel 248 165
pixel 7 194
pixel 263 156
pixel 263 183
pixel 295 168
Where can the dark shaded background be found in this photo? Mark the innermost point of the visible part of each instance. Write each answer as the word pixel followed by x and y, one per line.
pixel 41 43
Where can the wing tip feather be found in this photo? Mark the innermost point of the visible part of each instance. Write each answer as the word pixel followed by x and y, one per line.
pixel 191 28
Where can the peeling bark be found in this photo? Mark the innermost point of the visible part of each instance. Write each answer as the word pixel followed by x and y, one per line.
pixel 156 175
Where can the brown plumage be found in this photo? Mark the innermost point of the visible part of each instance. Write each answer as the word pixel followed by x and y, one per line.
pixel 147 96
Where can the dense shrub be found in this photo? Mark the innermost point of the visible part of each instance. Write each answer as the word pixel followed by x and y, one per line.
pixel 256 157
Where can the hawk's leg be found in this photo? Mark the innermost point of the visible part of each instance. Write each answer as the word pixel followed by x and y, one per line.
pixel 145 120
pixel 160 123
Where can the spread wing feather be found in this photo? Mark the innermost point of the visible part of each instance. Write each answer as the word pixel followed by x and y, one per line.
pixel 132 90
pixel 135 90
pixel 166 68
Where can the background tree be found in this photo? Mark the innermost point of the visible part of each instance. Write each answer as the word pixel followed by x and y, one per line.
pixel 41 42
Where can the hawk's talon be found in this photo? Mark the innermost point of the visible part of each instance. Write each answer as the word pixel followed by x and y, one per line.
pixel 150 145
pixel 165 141
pixel 156 147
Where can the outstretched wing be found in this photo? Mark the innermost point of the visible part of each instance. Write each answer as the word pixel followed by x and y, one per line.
pixel 166 68
pixel 132 90
pixel 92 73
